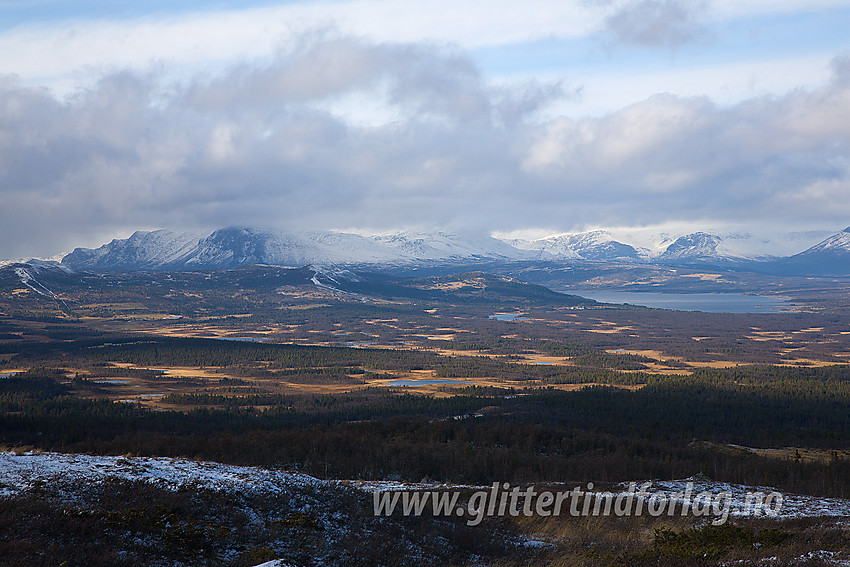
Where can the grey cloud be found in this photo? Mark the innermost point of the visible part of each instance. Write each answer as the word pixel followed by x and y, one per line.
pixel 775 159
pixel 421 78
pixel 657 23
pixel 250 148
pixel 841 69
pixel 513 106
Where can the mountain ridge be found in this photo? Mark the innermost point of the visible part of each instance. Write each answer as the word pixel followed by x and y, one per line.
pixel 232 247
pixel 828 257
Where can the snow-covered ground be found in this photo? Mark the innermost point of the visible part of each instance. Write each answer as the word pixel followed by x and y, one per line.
pixel 792 505
pixel 27 470
pixel 19 472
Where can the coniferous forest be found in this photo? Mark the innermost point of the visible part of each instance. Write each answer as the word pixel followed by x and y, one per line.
pixel 413 388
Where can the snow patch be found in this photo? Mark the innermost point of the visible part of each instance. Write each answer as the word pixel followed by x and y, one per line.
pixel 793 505
pixel 28 280
pixel 593 245
pixel 20 472
pixel 274 563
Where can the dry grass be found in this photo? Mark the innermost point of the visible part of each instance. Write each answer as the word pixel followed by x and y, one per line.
pixel 612 541
pixel 594 541
pixel 207 380
pixel 806 454
pixel 811 362
pixel 544 359
pixel 611 330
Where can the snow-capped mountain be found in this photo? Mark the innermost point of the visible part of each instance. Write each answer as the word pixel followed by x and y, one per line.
pixel 762 245
pixel 450 246
pixel 837 244
pixel 235 246
pixel 141 251
pixel 710 247
pixel 231 247
pixel 696 247
pixel 597 245
pixel 829 257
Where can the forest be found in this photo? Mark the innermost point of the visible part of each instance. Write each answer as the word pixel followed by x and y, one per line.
pixel 671 427
pixel 410 381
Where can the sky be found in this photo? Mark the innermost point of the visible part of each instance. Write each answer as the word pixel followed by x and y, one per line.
pixel 519 119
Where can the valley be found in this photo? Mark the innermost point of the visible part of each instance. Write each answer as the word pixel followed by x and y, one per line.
pixel 458 375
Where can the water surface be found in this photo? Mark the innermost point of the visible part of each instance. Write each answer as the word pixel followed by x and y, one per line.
pixel 508 317
pixel 706 302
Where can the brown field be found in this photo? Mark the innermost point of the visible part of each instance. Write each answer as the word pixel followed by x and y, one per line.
pixel 543 359
pixel 770 336
pixel 208 380
pixel 803 454
pixel 309 316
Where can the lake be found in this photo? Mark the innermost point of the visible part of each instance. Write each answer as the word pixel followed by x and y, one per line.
pixel 707 302
pixel 507 317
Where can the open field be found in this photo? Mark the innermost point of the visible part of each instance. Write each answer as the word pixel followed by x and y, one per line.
pixel 432 389
pixel 540 344
pixel 167 380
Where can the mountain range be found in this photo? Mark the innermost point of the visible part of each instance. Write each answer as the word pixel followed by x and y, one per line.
pixel 235 246
pixel 830 257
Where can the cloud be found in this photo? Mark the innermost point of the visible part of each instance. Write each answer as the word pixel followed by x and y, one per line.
pixel 263 144
pixel 769 159
pixel 53 51
pixel 256 145
pixel 841 69
pixel 657 23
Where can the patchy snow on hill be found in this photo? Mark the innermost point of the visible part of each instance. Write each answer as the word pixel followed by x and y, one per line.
pixel 787 505
pixel 19 472
pixel 22 471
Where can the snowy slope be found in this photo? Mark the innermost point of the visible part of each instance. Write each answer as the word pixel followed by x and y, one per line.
pixel 835 244
pixel 228 248
pixel 829 257
pixel 790 506
pixel 730 244
pixel 596 245
pixel 21 472
pixel 40 276
pixel 141 251
pixel 236 246
pixel 443 245
pixel 707 247
pixel 231 247
pixel 699 246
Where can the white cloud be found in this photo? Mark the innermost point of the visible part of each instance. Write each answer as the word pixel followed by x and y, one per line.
pixel 653 23
pixel 54 50
pixel 270 141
